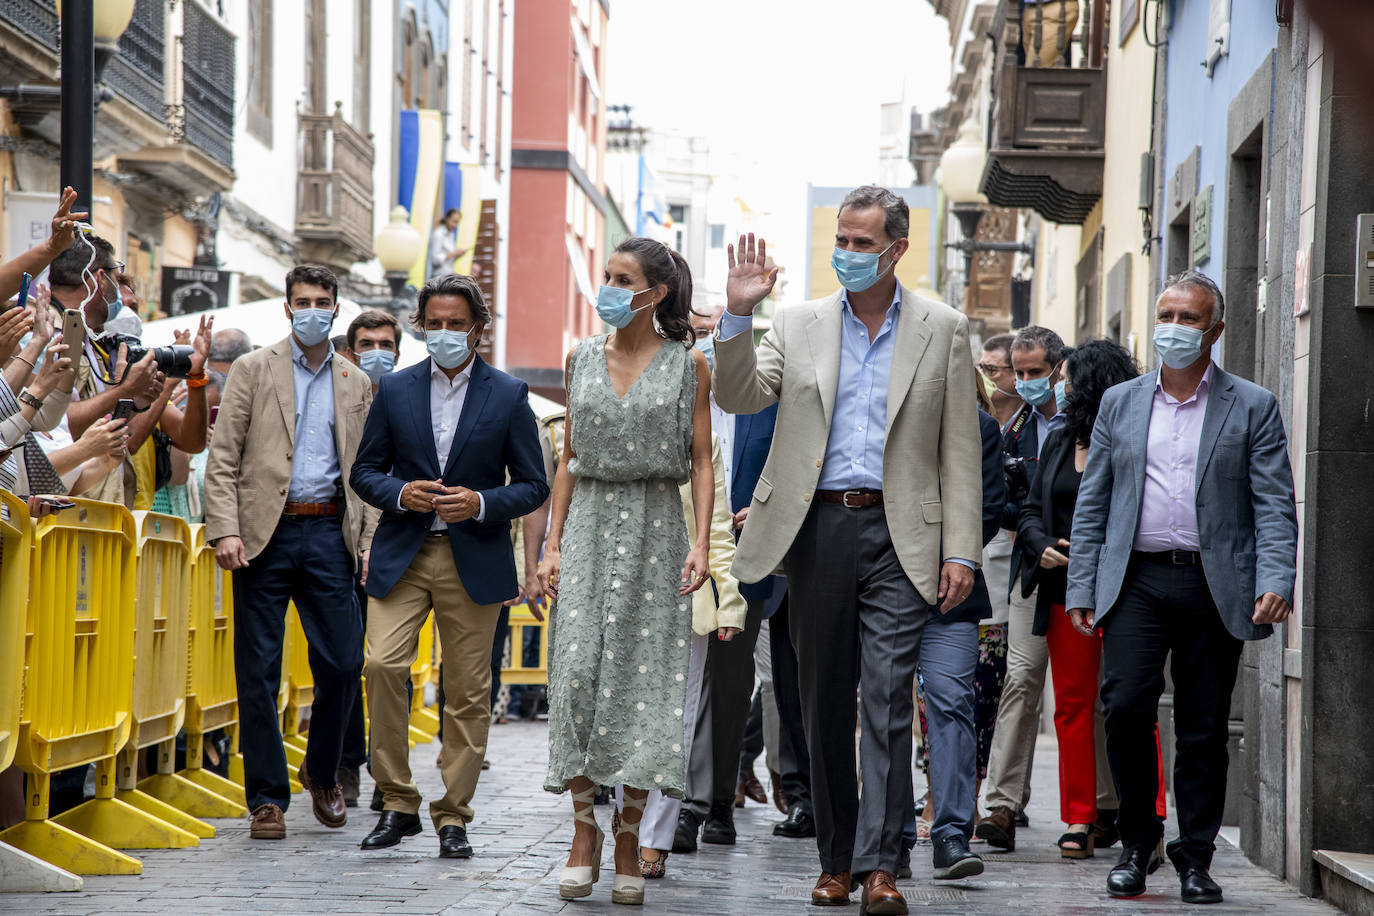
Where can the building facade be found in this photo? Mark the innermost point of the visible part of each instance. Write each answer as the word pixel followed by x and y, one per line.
pixel 557 186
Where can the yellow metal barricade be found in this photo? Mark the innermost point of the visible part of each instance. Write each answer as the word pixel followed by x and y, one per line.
pixel 424 721
pixel 212 694
pixel 78 688
pixel 162 614
pixel 15 544
pixel 517 672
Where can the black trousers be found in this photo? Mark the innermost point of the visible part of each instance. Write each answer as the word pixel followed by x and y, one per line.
pixel 796 763
pixel 306 562
pixel 355 747
pixel 730 680
pixel 1164 611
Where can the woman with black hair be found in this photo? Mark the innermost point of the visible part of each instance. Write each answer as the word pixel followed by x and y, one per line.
pixel 638 425
pixel 1075 660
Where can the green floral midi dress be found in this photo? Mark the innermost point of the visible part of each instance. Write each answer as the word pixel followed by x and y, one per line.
pixel 619 641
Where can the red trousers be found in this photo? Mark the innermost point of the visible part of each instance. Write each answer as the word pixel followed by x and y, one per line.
pixel 1075 669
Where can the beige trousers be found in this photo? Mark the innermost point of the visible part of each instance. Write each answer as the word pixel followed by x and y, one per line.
pixel 466 631
pixel 1046 29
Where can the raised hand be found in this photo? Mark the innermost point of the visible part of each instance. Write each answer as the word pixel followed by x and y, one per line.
pixel 64 223
pixel 750 279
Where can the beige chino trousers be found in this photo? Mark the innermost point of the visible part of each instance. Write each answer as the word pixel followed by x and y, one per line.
pixel 466 631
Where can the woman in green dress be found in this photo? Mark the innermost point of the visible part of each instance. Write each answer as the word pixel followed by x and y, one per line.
pixel 617 555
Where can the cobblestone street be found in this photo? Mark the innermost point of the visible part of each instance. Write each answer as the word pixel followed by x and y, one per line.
pixel 521 840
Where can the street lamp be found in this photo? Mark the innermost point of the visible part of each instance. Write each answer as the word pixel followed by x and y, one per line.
pixel 90 37
pixel 961 174
pixel 398 245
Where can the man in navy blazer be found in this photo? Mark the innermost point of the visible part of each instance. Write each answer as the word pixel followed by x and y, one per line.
pixel 1184 545
pixel 451 456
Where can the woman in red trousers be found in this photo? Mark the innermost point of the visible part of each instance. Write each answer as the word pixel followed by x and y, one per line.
pixel 1044 530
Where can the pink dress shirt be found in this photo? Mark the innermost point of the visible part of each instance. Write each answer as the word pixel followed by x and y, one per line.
pixel 1168 506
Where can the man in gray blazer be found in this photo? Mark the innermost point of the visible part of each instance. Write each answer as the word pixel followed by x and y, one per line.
pixel 1184 542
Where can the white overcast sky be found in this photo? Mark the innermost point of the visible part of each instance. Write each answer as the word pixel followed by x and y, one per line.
pixel 786 91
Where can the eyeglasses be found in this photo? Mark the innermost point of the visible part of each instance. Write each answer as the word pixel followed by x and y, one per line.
pixel 993 370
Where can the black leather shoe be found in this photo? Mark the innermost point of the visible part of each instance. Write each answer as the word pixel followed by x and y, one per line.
pixel 953 859
pixel 392 827
pixel 685 837
pixel 453 843
pixel 799 824
pixel 378 802
pixel 719 829
pixel 904 865
pixel 1021 820
pixel 1198 886
pixel 1127 877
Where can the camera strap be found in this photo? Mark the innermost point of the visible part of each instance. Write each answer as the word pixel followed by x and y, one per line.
pixel 1019 421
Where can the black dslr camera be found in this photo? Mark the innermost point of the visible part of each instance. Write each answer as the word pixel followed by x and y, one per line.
pixel 1018 478
pixel 173 361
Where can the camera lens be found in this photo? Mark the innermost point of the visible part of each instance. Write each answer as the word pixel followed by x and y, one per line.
pixel 173 361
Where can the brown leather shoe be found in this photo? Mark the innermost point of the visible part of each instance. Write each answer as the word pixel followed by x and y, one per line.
pixel 881 897
pixel 327 803
pixel 749 787
pixel 779 796
pixel 998 828
pixel 833 890
pixel 269 823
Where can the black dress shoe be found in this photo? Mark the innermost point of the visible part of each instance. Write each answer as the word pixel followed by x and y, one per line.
pixel 719 828
pixel 391 828
pixel 453 843
pixel 1021 819
pixel 685 837
pixel 953 859
pixel 1198 886
pixel 378 802
pixel 1127 877
pixel 904 865
pixel 799 824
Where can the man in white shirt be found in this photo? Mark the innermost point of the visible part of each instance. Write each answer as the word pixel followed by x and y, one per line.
pixel 444 252
pixel 438 447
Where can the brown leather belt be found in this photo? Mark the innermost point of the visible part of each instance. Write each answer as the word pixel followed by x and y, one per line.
pixel 851 499
pixel 313 510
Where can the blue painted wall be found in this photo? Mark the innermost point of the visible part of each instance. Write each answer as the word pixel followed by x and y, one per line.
pixel 1196 104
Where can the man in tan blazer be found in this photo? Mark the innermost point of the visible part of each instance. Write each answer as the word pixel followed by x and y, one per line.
pixel 871 501
pixel 281 515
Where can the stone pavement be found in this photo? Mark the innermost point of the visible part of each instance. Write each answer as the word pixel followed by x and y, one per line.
pixel 521 838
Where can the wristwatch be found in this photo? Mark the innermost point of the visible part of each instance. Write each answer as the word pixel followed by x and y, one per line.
pixel 27 398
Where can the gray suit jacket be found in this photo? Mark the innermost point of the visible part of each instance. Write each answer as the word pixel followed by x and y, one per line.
pixel 1246 514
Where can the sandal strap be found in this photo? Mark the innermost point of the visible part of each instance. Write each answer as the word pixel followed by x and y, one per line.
pixel 584 809
pixel 628 802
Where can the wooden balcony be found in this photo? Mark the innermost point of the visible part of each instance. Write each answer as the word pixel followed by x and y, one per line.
pixel 1045 146
pixel 334 203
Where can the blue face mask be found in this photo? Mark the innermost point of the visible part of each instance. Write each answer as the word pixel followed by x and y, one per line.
pixel 707 345
pixel 857 270
pixel 1035 391
pixel 1061 395
pixel 115 307
pixel 311 326
pixel 449 349
pixel 613 305
pixel 377 363
pixel 1178 345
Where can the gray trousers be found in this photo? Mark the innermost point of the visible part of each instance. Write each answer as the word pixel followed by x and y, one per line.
pixel 859 626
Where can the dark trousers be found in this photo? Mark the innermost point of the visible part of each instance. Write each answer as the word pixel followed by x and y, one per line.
pixel 730 681
pixel 306 562
pixel 752 744
pixel 858 622
pixel 355 747
pixel 1164 610
pixel 796 762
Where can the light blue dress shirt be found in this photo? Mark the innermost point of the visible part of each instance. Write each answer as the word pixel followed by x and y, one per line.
pixel 315 475
pixel 858 424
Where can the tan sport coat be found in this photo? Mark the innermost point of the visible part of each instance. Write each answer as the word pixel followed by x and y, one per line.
pixel 932 475
pixel 249 468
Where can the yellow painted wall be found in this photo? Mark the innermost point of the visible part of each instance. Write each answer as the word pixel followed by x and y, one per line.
pixel 912 270
pixel 1130 73
pixel 1054 304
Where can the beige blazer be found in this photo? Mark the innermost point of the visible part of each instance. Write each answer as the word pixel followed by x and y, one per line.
pixel 932 475
pixel 249 468
pixel 709 613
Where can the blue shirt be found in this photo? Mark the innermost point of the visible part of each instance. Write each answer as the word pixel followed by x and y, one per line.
pixel 315 475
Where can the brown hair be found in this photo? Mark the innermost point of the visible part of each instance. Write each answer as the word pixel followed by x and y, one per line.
pixel 315 275
pixel 663 266
pixel 451 285
pixel 373 318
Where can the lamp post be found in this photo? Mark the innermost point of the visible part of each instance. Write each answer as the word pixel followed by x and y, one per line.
pixel 90 37
pixel 398 245
pixel 961 174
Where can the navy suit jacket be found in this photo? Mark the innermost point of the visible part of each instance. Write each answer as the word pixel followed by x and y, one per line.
pixel 753 439
pixel 978 605
pixel 496 434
